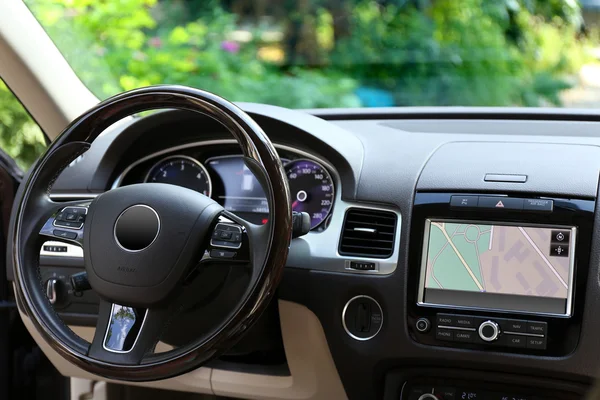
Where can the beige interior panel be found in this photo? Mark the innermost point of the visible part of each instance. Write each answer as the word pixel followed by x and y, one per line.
pixel 37 72
pixel 80 388
pixel 100 391
pixel 313 372
pixel 196 381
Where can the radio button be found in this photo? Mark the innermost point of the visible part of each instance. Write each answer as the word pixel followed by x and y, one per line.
pixel 514 325
pixel 536 327
pixel 464 322
pixel 489 331
pixel 446 319
pixel 464 336
pixel 515 341
pixel 444 334
pixel 536 343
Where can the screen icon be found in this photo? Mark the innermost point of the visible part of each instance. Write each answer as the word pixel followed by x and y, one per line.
pixel 560 237
pixel 559 250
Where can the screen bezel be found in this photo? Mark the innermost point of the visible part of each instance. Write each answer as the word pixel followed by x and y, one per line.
pixel 423 271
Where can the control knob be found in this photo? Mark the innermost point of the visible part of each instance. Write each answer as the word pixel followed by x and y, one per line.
pixel 423 325
pixel 489 331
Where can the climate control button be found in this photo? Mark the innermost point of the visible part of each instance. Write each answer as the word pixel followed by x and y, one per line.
pixel 489 331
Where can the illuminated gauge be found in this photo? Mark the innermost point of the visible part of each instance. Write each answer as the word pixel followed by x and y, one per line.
pixel 311 188
pixel 181 171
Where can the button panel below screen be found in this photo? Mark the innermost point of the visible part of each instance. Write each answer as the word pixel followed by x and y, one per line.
pixel 513 333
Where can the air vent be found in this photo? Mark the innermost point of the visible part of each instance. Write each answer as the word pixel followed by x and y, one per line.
pixel 368 233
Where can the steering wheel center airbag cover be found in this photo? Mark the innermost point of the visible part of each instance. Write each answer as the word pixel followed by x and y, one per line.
pixel 137 227
pixel 141 239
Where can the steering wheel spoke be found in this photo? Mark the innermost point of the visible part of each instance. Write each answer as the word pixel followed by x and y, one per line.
pixel 66 224
pixel 256 238
pixel 236 241
pixel 229 241
pixel 125 335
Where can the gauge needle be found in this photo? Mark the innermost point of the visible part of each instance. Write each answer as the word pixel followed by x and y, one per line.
pixel 294 204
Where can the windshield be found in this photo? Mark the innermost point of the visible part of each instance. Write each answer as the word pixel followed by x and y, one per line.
pixel 337 53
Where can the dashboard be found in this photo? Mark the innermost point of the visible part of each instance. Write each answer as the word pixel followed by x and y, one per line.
pixel 453 253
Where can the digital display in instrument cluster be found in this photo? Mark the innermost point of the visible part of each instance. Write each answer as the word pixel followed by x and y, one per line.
pixel 240 190
pixel 236 188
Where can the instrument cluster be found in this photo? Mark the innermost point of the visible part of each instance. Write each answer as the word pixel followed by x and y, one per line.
pixel 227 180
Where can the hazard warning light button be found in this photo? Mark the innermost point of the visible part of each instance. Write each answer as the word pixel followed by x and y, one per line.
pixel 500 203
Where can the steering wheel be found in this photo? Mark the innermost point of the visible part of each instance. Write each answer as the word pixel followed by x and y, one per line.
pixel 143 243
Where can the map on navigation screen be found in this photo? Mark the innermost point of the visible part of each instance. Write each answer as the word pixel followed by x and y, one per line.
pixel 530 261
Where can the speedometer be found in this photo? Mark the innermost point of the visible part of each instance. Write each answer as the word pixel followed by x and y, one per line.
pixel 181 171
pixel 311 188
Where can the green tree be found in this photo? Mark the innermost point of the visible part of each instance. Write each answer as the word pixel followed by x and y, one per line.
pixel 115 46
pixel 425 52
pixel 20 136
pixel 446 52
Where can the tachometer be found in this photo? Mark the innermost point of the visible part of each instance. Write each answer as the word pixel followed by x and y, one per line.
pixel 181 171
pixel 311 188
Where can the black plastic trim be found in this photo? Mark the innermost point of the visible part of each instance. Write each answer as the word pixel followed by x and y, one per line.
pixel 455 113
pixel 399 382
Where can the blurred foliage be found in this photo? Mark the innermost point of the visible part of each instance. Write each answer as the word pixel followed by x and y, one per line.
pixel 472 53
pixel 436 52
pixel 20 136
pixel 115 46
pixel 317 53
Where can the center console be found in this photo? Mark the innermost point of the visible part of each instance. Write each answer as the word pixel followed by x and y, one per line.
pixel 494 272
pixel 471 384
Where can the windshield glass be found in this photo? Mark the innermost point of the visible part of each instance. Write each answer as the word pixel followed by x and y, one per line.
pixel 337 53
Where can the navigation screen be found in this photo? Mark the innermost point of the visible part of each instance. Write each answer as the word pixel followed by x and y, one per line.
pixel 498 267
